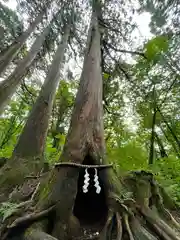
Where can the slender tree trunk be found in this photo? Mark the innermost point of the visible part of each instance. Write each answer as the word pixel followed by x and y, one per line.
pixel 36 127
pixel 170 129
pixel 9 85
pixel 171 142
pixel 161 147
pixel 151 152
pixel 9 54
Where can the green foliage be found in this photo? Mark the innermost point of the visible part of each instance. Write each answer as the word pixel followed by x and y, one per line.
pixel 132 156
pixel 164 14
pixel 52 153
pixel 7 209
pixel 167 171
pixel 11 124
pixel 155 47
pixel 7 151
pixel 128 156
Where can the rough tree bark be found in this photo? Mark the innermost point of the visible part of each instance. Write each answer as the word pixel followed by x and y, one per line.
pixel 9 85
pixel 27 157
pixel 61 210
pixel 84 142
pixel 8 55
pixel 36 127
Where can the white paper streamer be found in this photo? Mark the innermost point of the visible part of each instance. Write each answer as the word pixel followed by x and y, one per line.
pixel 98 188
pixel 86 181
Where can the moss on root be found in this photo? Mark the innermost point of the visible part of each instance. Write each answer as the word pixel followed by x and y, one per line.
pixel 15 173
pixel 17 169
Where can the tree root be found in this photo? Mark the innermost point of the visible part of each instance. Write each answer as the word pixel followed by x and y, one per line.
pixel 172 219
pixel 31 217
pixel 35 234
pixel 127 226
pixel 25 221
pixel 129 218
pixel 159 225
pixel 119 226
pixel 143 218
pixel 160 204
pixel 106 232
pixel 155 228
pixel 140 232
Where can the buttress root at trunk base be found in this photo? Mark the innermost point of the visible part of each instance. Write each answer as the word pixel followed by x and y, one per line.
pixel 147 214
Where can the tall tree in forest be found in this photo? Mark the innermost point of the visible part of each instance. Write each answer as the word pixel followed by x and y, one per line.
pixel 30 147
pixel 11 52
pixel 36 126
pixel 85 140
pixel 9 85
pixel 11 27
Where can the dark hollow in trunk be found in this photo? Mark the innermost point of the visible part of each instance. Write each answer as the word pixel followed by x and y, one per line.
pixel 91 208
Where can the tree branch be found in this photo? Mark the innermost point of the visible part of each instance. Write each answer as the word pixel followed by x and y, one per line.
pixel 117 64
pixel 124 51
pixel 31 217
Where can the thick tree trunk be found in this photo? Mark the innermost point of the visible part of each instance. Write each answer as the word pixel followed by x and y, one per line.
pixel 86 129
pixel 9 85
pixel 84 144
pixel 12 51
pixel 36 127
pixel 30 147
